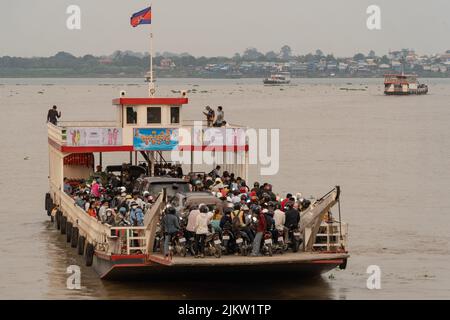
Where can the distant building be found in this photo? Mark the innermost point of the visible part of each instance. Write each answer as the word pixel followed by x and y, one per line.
pixel 167 63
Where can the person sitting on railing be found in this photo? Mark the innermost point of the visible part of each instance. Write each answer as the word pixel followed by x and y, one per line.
pixel 220 117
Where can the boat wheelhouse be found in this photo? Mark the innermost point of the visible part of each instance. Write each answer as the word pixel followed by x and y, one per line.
pixel 403 84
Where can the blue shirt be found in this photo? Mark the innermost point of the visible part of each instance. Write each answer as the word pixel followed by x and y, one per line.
pixel 137 217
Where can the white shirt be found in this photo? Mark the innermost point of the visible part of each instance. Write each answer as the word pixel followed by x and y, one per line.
pixel 201 225
pixel 280 218
pixel 192 220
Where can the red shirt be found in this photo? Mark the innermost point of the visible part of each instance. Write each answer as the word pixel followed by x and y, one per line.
pixel 262 224
pixel 283 203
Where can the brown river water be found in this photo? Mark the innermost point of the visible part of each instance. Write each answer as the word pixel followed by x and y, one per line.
pixel 390 155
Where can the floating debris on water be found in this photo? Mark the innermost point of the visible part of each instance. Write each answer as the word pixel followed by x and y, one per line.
pixel 352 89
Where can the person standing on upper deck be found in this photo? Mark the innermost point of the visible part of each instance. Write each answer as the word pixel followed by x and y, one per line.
pixel 220 117
pixel 210 114
pixel 53 115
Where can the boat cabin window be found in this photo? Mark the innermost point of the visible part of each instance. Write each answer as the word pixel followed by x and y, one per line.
pixel 154 115
pixel 131 115
pixel 174 115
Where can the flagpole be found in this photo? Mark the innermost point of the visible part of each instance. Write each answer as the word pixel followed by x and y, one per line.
pixel 151 86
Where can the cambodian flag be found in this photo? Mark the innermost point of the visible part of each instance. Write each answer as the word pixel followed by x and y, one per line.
pixel 142 17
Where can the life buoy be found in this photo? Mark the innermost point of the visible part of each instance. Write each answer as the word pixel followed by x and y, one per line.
pixel 74 240
pixel 89 254
pixel 68 231
pixel 81 242
pixel 63 224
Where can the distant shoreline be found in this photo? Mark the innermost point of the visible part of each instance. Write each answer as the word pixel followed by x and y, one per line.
pixel 56 76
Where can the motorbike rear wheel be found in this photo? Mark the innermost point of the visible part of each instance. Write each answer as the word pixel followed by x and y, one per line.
pixel 217 251
pixel 295 245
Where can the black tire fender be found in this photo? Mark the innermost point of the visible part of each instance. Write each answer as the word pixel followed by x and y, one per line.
pixel 74 240
pixel 89 254
pixel 69 231
pixel 81 245
pixel 63 224
pixel 58 219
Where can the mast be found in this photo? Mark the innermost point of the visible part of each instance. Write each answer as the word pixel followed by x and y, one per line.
pixel 151 84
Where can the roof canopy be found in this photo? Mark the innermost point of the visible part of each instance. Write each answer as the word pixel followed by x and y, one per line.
pixel 150 101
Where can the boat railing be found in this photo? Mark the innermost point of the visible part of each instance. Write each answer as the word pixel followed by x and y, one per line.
pixel 193 122
pixel 331 236
pixel 87 124
pixel 58 133
pixel 130 240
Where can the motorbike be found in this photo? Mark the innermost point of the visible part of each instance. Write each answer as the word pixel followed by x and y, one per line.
pixel 213 245
pixel 267 244
pixel 295 238
pixel 279 245
pixel 178 244
pixel 243 244
pixel 226 238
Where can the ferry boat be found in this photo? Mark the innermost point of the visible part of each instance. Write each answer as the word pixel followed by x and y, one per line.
pixel 147 130
pixel 277 79
pixel 403 84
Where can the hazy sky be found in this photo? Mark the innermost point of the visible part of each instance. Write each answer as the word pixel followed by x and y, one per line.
pixel 213 27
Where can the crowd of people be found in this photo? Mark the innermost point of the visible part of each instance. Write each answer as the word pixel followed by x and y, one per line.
pixel 113 206
pixel 248 210
pixel 251 210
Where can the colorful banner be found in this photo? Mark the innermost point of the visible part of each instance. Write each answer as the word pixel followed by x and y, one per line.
pixel 92 137
pixel 152 139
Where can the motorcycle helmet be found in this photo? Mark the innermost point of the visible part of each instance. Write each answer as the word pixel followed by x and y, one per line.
pixel 171 210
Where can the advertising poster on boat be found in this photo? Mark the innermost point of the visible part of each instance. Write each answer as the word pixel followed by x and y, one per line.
pixel 153 139
pixel 90 137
